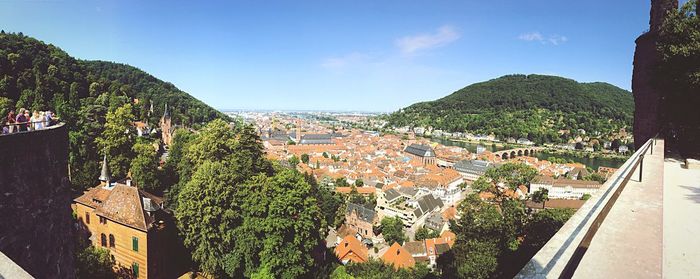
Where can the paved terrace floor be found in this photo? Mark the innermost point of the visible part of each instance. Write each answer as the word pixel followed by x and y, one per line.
pixel 652 231
pixel 681 258
pixel 629 243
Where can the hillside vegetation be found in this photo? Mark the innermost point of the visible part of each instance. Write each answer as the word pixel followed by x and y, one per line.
pixel 536 107
pixel 39 76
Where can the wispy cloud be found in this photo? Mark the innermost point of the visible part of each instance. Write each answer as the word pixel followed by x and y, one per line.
pixel 538 37
pixel 441 37
pixel 344 61
pixel 533 36
pixel 557 40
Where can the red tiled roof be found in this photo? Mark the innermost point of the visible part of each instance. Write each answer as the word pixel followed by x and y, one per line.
pixel 398 257
pixel 351 249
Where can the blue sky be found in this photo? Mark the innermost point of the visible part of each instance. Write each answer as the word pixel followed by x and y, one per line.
pixel 340 55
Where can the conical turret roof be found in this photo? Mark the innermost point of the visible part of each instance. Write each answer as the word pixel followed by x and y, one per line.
pixel 105 175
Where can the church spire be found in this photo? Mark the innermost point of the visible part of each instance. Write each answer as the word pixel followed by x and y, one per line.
pixel 166 113
pixel 105 175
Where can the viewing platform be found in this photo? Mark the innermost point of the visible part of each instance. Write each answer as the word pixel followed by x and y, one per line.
pixel 634 227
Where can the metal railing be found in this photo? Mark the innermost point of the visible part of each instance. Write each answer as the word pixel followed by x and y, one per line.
pixel 561 256
pixel 28 126
pixel 585 243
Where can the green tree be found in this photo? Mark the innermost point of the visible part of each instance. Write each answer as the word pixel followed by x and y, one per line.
pixel 544 224
pixel 305 158
pixel 207 213
pixel 325 154
pixel 283 209
pixel 341 273
pixel 510 175
pixel 93 262
pixel 541 196
pixel 678 77
pixel 144 167
pixel 595 177
pixel 425 233
pixel 294 160
pixel 470 259
pixel 392 229
pixel 359 183
pixel 177 169
pixel 341 182
pixel 117 139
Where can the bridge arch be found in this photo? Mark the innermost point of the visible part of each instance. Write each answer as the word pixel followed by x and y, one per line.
pixel 504 155
pixel 512 154
pixel 520 152
pixel 527 152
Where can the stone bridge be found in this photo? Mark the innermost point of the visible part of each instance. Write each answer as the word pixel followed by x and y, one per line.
pixel 517 152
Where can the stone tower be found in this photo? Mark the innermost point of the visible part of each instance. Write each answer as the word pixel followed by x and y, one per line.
pixel 166 127
pixel 647 99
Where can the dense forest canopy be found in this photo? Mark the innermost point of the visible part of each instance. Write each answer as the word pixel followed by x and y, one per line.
pixel 530 106
pixel 39 76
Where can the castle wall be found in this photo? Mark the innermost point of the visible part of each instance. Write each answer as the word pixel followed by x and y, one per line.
pixel 35 215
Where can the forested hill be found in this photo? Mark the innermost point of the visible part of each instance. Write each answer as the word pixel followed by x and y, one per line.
pixel 531 106
pixel 35 75
pixel 40 76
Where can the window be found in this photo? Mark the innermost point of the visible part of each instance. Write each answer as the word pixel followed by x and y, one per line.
pixel 111 240
pixel 87 217
pixel 135 243
pixel 103 220
pixel 103 240
pixel 135 269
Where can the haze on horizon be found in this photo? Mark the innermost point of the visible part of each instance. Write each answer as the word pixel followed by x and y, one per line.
pixel 347 55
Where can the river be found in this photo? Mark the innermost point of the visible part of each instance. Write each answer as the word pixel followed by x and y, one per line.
pixel 467 145
pixel 593 163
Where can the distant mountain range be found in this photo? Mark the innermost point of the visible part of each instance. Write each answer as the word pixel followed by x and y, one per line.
pixel 539 107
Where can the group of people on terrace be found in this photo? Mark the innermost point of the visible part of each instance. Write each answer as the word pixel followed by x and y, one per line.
pixel 24 121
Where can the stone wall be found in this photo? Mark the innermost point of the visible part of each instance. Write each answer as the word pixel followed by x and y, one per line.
pixel 35 214
pixel 647 99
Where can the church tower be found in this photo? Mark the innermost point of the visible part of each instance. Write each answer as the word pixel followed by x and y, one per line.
pixel 166 128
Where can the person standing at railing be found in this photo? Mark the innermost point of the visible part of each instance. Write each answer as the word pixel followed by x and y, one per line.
pixel 48 118
pixel 27 117
pixel 10 121
pixel 21 120
pixel 37 121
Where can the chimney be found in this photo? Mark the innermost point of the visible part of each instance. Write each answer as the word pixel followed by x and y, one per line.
pixel 128 182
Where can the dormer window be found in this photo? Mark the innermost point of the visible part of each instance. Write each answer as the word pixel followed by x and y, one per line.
pixel 96 201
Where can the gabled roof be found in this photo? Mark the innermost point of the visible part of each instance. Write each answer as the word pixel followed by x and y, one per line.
pixel 420 150
pixel 122 204
pixel 416 248
pixel 473 166
pixel 398 257
pixel 350 249
pixel 427 204
pixel 365 214
pixel 391 194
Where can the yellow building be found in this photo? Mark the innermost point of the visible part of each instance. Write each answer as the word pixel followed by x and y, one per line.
pixel 126 221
